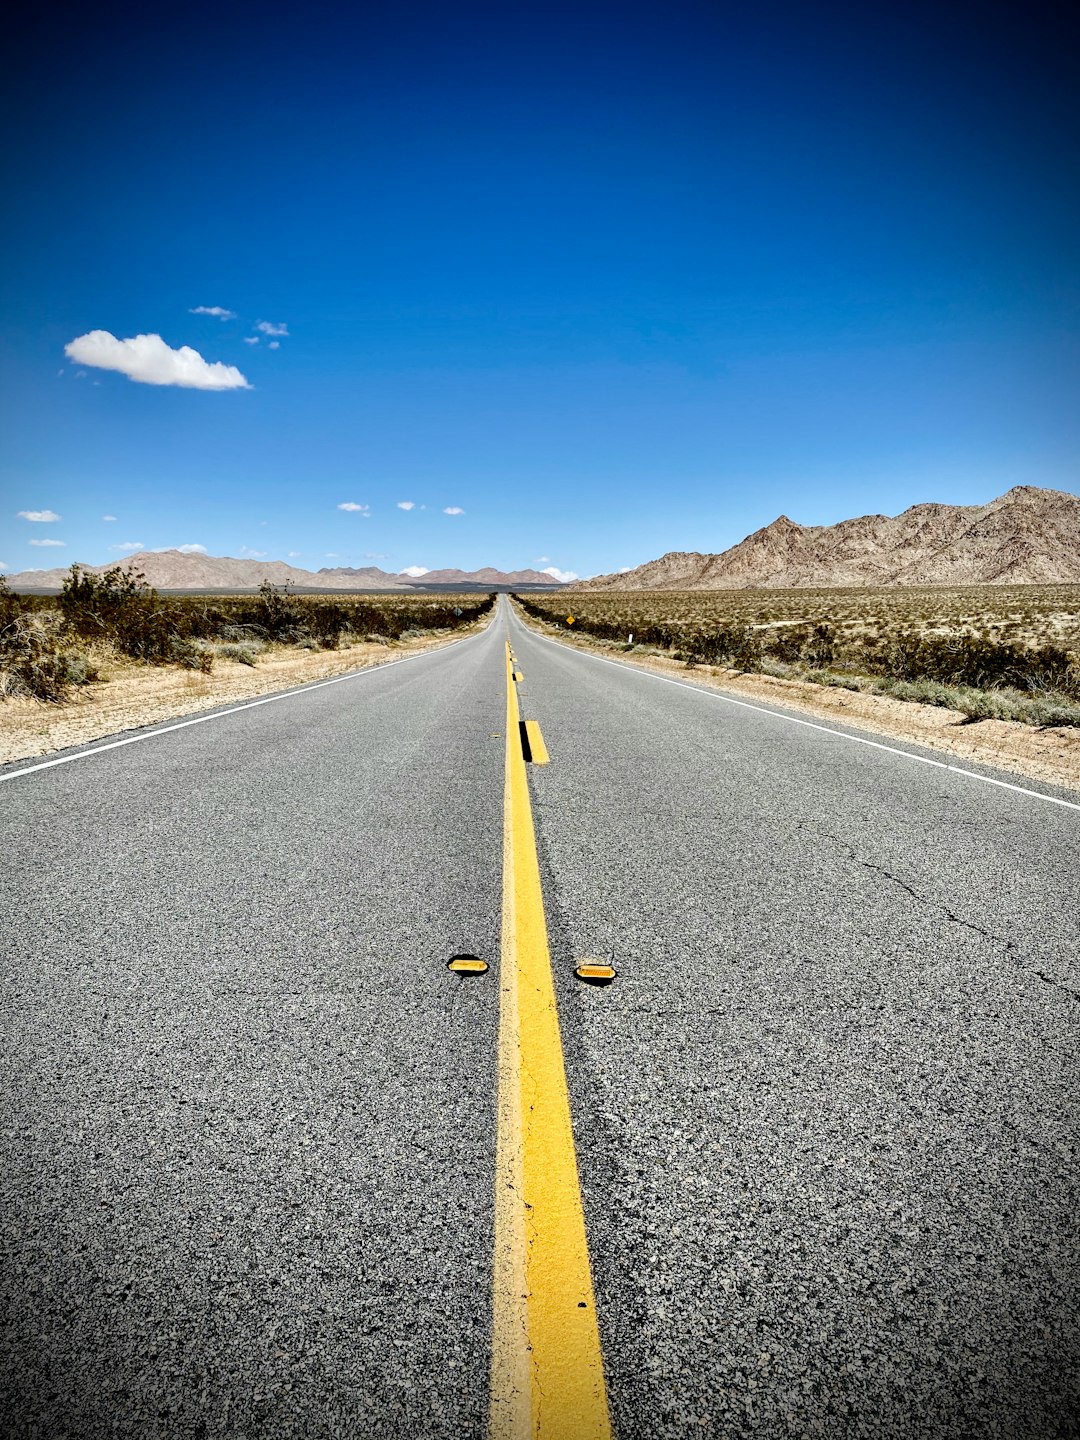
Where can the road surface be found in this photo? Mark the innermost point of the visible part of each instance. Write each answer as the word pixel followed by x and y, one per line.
pixel 825 1119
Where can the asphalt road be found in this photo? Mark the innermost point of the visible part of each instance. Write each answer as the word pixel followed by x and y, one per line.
pixel 826 1117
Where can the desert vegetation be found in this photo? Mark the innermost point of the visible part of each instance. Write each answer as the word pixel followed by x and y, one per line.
pixel 1001 652
pixel 51 645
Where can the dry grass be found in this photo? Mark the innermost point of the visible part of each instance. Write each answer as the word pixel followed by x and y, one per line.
pixel 1007 652
pixel 52 646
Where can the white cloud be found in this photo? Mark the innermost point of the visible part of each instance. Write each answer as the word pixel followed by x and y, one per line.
pixel 47 542
pixel 268 328
pixel 375 555
pixel 4 565
pixel 127 547
pixel 275 345
pixel 406 504
pixel 188 549
pixel 352 505
pixel 251 339
pixel 45 516
pixel 563 576
pixel 147 359
pixel 247 554
pixel 108 517
pixel 453 510
pixel 624 570
pixel 415 571
pixel 217 310
pixel 542 560
pixel 295 554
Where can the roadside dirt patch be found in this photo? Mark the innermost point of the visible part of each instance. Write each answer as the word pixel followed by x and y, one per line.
pixel 130 696
pixel 1051 754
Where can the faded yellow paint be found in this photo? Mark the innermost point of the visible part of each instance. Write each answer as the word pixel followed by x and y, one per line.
pixel 547 1373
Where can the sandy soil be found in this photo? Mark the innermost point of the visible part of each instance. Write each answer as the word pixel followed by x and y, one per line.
pixel 129 696
pixel 1051 754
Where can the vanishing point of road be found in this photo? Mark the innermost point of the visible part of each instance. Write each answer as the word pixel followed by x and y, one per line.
pixel 806 1167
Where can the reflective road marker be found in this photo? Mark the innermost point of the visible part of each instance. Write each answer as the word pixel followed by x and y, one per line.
pixel 547 1373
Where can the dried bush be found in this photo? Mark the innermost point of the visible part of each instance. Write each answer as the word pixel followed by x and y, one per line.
pixel 36 661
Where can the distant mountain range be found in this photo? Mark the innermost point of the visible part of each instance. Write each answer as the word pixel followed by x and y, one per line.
pixel 177 570
pixel 1029 536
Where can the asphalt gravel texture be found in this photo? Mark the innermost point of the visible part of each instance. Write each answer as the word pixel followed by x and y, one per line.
pixel 248 1118
pixel 826 1117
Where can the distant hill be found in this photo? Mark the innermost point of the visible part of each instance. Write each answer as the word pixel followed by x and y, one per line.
pixel 1028 536
pixel 486 577
pixel 176 570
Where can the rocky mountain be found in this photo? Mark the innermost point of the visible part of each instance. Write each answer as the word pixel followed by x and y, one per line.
pixel 178 570
pixel 1028 536
pixel 486 577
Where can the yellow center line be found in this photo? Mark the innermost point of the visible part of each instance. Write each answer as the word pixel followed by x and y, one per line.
pixel 547 1373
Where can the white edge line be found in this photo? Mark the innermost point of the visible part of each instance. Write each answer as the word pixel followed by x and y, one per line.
pixel 810 724
pixel 234 709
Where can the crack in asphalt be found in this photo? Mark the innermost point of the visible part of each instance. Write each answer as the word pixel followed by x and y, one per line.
pixel 1010 946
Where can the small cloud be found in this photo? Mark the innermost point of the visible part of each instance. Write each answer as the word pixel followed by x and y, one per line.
pixel 268 328
pixel 47 542
pixel 624 570
pixel 275 345
pixel 563 576
pixel 251 339
pixel 108 517
pixel 189 549
pixel 44 516
pixel 453 510
pixel 127 547
pixel 353 506
pixel 374 555
pixel 406 504
pixel 148 360
pixel 247 554
pixel 332 555
pixel 59 373
pixel 415 571
pixel 4 565
pixel 542 560
pixel 217 310
pixel 295 554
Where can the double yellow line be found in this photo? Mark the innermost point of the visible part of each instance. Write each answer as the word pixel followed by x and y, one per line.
pixel 547 1374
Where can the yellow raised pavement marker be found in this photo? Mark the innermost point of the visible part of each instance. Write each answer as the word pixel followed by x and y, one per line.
pixel 597 972
pixel 547 1372
pixel 466 965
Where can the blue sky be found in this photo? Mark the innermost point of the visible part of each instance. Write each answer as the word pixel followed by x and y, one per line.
pixel 608 281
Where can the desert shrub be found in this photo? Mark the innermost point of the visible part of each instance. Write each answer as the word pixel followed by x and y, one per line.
pixel 119 606
pixel 787 643
pixel 191 654
pixel 36 660
pixel 244 651
pixel 327 621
